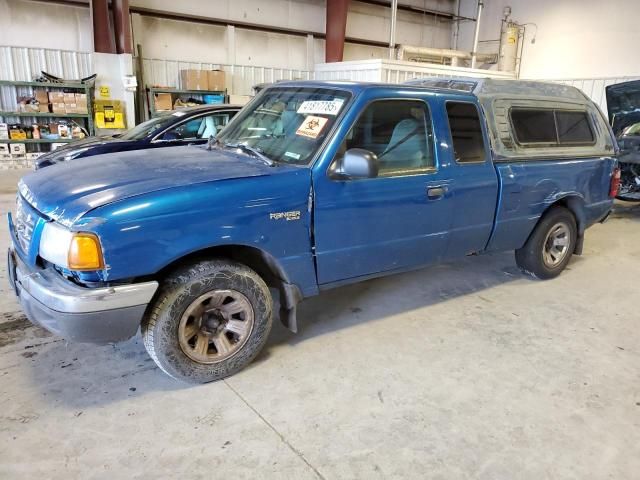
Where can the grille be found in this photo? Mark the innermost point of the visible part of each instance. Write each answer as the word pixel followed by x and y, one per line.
pixel 25 221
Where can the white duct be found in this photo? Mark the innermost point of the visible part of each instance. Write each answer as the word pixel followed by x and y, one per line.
pixel 405 51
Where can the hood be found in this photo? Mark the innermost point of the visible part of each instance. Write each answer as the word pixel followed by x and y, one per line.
pixel 66 191
pixel 623 105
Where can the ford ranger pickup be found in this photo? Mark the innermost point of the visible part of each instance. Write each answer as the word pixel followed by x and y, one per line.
pixel 311 186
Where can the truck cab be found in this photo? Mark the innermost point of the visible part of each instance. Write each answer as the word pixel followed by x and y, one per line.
pixel 313 185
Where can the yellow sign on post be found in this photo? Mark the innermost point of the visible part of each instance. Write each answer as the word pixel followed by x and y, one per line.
pixel 105 91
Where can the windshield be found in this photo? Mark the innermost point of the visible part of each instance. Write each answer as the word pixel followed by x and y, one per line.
pixel 632 130
pixel 146 128
pixel 286 124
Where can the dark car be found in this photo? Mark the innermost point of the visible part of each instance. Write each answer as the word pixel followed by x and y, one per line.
pixel 179 127
pixel 623 103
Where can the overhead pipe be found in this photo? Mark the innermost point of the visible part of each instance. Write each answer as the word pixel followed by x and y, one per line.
pixel 474 51
pixel 392 30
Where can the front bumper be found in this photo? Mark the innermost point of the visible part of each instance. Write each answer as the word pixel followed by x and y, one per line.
pixel 93 315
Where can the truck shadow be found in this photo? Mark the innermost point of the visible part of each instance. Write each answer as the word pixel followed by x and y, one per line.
pixel 82 377
pixel 377 299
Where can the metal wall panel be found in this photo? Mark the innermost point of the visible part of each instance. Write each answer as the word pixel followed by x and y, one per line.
pixel 240 78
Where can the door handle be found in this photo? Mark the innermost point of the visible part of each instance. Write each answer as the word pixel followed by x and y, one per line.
pixel 434 193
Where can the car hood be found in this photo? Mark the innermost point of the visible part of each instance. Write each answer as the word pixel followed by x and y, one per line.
pixel 65 192
pixel 623 105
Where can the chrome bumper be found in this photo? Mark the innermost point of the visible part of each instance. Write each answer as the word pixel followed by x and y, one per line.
pixel 94 315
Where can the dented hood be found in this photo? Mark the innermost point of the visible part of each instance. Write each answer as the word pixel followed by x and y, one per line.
pixel 66 191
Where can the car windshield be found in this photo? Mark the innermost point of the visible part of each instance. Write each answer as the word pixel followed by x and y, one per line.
pixel 146 128
pixel 286 124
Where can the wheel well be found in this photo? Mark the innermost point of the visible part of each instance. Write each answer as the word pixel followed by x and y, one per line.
pixel 575 205
pixel 258 260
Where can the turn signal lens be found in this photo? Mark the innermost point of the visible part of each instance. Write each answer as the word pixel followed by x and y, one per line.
pixel 85 252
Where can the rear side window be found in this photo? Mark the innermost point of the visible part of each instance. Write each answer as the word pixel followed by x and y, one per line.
pixel 466 132
pixel 535 126
pixel 573 127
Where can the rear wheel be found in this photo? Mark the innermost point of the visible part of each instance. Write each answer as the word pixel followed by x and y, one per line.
pixel 209 321
pixel 550 246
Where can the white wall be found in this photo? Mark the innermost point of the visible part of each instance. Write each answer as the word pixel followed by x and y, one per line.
pixel 37 24
pixel 575 38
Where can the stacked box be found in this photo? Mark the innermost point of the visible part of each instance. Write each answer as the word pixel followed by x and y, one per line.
pixel 194 79
pixel 81 103
pixel 4 131
pixel 216 80
pixel 56 99
pixel 163 101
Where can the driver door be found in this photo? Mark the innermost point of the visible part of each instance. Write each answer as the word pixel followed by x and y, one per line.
pixel 396 221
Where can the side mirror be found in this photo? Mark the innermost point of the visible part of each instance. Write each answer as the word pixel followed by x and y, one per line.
pixel 356 163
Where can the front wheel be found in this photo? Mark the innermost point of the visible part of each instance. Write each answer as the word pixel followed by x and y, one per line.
pixel 209 321
pixel 550 246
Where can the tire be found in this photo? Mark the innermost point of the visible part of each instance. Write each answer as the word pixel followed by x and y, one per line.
pixel 208 321
pixel 536 257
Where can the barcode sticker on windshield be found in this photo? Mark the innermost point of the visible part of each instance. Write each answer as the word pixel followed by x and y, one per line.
pixel 324 107
pixel 312 126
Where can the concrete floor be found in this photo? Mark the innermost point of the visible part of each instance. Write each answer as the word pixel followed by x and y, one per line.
pixel 464 370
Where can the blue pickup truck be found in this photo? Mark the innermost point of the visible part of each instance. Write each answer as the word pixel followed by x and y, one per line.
pixel 313 185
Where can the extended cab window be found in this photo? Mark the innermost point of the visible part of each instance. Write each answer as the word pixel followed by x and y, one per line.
pixel 551 127
pixel 466 132
pixel 398 132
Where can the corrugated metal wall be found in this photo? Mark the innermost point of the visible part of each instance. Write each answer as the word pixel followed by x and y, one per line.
pixel 594 88
pixel 240 78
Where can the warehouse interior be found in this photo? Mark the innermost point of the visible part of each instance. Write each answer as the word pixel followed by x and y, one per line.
pixel 464 367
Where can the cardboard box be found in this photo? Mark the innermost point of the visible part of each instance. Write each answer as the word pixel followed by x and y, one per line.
pixel 16 132
pixel 69 98
pixel 41 95
pixel 81 99
pixel 71 107
pixel 239 99
pixel 216 80
pixel 44 108
pixel 57 107
pixel 163 101
pixel 194 79
pixel 56 97
pixel 18 148
pixel 4 131
pixel 4 149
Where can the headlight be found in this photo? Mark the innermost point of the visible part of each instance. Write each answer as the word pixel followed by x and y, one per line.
pixel 72 250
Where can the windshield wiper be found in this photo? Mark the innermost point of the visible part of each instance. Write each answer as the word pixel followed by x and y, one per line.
pixel 249 149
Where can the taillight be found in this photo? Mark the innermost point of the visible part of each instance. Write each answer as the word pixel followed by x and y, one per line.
pixel 615 183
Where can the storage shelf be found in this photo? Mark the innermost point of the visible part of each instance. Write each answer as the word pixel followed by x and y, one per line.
pixel 41 140
pixel 43 114
pixel 74 86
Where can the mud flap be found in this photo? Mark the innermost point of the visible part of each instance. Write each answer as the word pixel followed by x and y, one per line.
pixel 290 296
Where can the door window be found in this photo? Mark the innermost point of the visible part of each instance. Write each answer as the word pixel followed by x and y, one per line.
pixel 398 132
pixel 198 128
pixel 466 132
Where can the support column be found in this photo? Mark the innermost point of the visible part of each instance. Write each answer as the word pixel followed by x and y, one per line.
pixel 122 26
pixel 101 34
pixel 336 28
